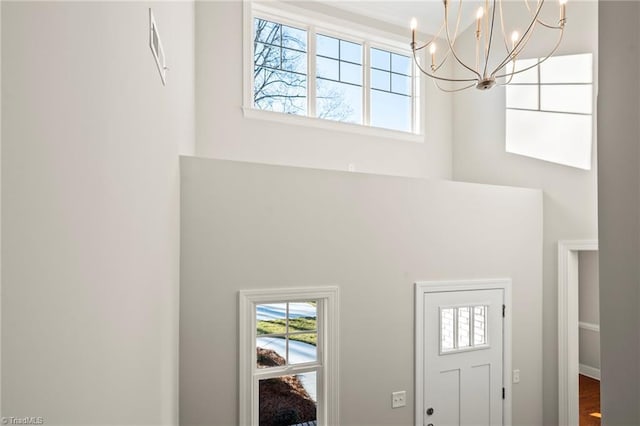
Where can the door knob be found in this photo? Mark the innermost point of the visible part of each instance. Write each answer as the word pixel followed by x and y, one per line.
pixel 429 411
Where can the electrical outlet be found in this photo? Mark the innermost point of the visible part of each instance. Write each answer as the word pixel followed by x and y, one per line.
pixel 398 399
pixel 516 376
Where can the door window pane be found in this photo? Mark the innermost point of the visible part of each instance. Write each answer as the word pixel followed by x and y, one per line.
pixel 447 325
pixel 479 325
pixel 464 327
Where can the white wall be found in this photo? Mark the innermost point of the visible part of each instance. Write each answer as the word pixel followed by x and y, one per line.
pixel 258 226
pixel 223 132
pixel 1 210
pixel 589 308
pixel 90 205
pixel 619 211
pixel 570 195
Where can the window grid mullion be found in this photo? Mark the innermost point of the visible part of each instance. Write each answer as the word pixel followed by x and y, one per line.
pixel 289 370
pixel 311 71
pixel 286 339
pixel 455 328
pixel 539 88
pixel 339 61
pixel 366 83
pixel 414 98
pixel 389 72
pixel 472 326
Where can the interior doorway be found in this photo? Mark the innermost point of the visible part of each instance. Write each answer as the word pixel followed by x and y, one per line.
pixel 589 338
pixel 578 333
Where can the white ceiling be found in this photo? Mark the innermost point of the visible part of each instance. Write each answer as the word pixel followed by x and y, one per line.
pixel 429 13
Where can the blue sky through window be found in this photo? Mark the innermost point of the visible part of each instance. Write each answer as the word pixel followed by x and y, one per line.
pixel 280 77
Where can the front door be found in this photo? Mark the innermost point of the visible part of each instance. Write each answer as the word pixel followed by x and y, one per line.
pixel 463 358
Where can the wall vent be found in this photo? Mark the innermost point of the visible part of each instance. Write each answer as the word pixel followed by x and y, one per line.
pixel 156 48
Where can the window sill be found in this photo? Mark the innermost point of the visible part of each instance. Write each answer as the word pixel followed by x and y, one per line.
pixel 319 123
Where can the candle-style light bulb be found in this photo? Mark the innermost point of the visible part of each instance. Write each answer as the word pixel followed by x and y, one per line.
pixel 514 39
pixel 563 12
pixel 432 50
pixel 414 25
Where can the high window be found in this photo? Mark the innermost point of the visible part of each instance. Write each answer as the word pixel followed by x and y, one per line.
pixel 549 112
pixel 309 69
pixel 288 348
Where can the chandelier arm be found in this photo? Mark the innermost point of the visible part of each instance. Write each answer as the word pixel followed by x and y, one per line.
pixel 486 59
pixel 511 56
pixel 536 64
pixel 434 69
pixel 485 80
pixel 519 46
pixel 452 90
pixel 453 52
pixel 504 34
pixel 427 44
pixel 540 21
pixel 454 80
pixel 433 39
pixel 510 75
pixel 551 27
pixel 455 35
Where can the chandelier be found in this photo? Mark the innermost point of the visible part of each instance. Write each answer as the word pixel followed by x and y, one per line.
pixel 490 67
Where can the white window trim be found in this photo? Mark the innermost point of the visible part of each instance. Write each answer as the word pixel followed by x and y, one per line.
pixel 291 15
pixel 328 397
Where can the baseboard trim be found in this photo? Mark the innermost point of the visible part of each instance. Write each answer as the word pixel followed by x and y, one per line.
pixel 594 373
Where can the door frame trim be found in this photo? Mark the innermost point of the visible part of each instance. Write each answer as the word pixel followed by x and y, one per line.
pixel 568 328
pixel 424 287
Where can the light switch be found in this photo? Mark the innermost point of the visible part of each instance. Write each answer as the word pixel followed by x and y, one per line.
pixel 398 399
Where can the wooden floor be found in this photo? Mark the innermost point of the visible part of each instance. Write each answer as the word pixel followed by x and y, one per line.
pixel 589 401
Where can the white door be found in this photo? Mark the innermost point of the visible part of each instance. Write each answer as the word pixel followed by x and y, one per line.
pixel 463 358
